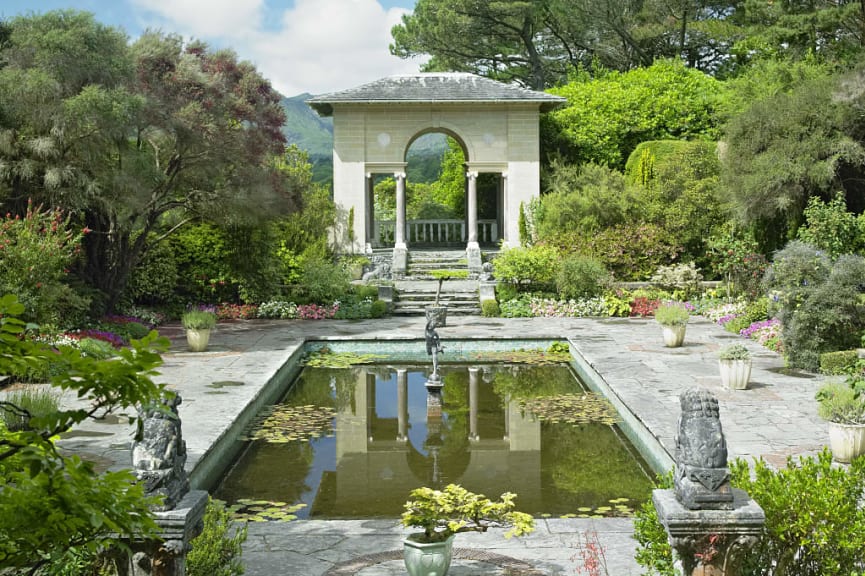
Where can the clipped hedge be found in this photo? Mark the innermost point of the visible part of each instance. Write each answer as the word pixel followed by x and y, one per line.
pixel 840 362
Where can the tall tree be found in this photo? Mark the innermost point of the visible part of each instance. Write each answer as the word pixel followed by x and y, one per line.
pixel 126 135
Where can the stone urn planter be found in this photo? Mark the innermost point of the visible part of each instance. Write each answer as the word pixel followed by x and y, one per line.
pixel 844 410
pixel 427 558
pixel 847 441
pixel 734 363
pixel 673 318
pixel 198 324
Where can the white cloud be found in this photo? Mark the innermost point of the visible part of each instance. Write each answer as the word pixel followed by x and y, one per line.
pixel 317 46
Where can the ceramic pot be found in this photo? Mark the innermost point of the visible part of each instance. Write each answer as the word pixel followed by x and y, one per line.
pixel 735 373
pixel 197 339
pixel 674 335
pixel 427 559
pixel 847 441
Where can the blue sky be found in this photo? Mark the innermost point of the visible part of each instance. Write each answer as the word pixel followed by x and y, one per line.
pixel 313 46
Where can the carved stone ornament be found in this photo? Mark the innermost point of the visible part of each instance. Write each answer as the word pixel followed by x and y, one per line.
pixel 159 452
pixel 702 479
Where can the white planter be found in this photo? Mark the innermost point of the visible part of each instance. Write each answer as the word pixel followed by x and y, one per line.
pixel 735 373
pixel 673 335
pixel 197 339
pixel 847 441
pixel 427 559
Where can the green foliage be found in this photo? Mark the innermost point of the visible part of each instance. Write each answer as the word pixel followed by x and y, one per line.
pixel 830 227
pixel 154 280
pixel 841 403
pixel 198 320
pixel 654 552
pixel 582 200
pixel 35 252
pixel 735 257
pixel 581 277
pixel 322 281
pixel 443 513
pixel 789 147
pixel 839 362
pixel 640 166
pixel 821 310
pixel 734 352
pixel 490 309
pixel 607 117
pixel 30 401
pixel 632 251
pixel 813 521
pixel 449 189
pixel 217 550
pixel 523 226
pixel 672 314
pixel 201 254
pixel 51 503
pixel 378 309
pixel 94 348
pixel 527 268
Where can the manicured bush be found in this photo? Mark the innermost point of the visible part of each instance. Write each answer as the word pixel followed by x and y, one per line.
pixel 378 309
pixel 322 281
pixel 581 277
pixel 490 309
pixel 154 279
pixel 632 251
pixel 840 362
pixel 202 258
pixel 527 269
pixel 217 550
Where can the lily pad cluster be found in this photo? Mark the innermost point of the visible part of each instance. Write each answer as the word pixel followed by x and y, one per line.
pixel 325 358
pixel 264 510
pixel 536 357
pixel 616 507
pixel 281 424
pixel 585 408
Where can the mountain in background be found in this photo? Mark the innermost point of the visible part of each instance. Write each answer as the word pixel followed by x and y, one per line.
pixel 314 134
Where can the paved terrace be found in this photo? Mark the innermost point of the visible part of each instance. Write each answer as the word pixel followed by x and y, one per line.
pixel 775 418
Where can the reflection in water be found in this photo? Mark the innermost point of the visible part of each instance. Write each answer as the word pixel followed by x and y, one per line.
pixel 392 436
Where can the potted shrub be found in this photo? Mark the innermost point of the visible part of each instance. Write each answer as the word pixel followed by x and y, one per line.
pixel 842 404
pixel 442 514
pixel 673 318
pixel 734 362
pixel 198 324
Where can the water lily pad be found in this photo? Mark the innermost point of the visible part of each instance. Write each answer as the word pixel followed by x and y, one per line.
pixel 283 423
pixel 325 358
pixel 265 511
pixel 572 409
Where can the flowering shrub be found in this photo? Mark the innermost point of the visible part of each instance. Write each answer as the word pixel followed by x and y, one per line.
pixel 35 253
pixel 726 311
pixel 766 332
pixel 103 335
pixel 644 306
pixel 316 312
pixel 278 309
pixel 236 311
pixel 582 307
pixel 145 316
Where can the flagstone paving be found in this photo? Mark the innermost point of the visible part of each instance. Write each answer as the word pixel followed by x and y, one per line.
pixel 774 419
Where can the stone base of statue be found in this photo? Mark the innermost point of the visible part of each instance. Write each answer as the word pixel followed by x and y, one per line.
pixel 709 542
pixel 399 266
pixel 474 259
pixel 166 555
pixel 434 383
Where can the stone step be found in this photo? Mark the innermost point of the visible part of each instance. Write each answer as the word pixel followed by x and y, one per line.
pixel 421 310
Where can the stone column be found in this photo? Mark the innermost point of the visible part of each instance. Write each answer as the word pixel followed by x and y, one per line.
pixel 369 213
pixel 709 524
pixel 402 404
pixel 473 251
pixel 400 249
pixel 473 404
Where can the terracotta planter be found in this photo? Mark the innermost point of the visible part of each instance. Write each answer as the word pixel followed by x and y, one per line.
pixel 427 559
pixel 674 335
pixel 847 441
pixel 197 339
pixel 735 373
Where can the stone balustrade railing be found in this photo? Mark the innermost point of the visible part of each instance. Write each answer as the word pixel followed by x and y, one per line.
pixel 434 232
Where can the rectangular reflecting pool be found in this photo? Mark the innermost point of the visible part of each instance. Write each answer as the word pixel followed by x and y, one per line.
pixel 353 442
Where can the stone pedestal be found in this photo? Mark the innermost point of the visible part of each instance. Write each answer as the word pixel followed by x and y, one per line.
pixel 166 556
pixel 399 268
pixel 709 542
pixel 475 262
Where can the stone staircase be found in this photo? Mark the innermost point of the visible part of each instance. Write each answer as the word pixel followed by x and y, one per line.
pixel 413 296
pixel 422 263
